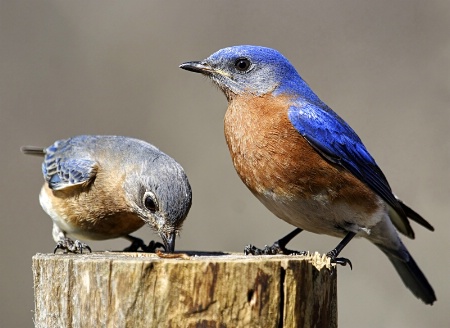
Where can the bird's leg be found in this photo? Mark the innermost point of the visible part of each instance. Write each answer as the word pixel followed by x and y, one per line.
pixel 335 252
pixel 137 243
pixel 153 245
pixel 278 247
pixel 70 246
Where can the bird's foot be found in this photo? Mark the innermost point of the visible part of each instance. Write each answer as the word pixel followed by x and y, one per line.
pixel 275 249
pixel 153 246
pixel 137 243
pixel 70 246
pixel 339 260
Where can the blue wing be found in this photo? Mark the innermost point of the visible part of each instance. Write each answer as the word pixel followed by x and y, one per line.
pixel 63 168
pixel 336 141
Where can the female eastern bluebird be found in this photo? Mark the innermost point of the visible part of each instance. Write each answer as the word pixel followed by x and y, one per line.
pixel 104 187
pixel 304 162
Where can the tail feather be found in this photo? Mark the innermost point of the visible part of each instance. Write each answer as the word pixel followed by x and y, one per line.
pixel 413 215
pixel 412 276
pixel 31 150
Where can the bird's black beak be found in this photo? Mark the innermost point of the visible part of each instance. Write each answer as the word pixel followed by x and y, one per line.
pixel 197 67
pixel 169 241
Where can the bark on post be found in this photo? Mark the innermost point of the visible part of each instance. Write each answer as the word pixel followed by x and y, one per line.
pixel 111 289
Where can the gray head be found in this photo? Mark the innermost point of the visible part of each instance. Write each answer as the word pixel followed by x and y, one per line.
pixel 160 193
pixel 251 70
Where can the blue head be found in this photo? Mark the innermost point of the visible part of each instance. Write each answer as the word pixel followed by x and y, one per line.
pixel 252 70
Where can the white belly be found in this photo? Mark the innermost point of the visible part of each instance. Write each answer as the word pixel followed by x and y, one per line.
pixel 322 216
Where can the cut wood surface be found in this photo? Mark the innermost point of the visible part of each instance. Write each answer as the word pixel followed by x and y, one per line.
pixel 115 289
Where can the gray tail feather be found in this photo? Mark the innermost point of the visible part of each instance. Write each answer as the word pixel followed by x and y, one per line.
pixel 31 150
pixel 412 276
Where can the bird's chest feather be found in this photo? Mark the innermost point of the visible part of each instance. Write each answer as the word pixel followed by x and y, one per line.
pixel 284 172
pixel 93 211
pixel 267 152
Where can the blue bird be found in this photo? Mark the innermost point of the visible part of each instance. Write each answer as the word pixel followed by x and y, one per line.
pixel 304 162
pixel 104 187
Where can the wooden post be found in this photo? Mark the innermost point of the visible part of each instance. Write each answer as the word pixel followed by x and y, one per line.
pixel 110 289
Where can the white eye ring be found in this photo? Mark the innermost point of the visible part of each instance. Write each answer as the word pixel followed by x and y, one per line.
pixel 150 202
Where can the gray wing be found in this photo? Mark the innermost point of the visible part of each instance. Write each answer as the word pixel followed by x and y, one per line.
pixel 64 168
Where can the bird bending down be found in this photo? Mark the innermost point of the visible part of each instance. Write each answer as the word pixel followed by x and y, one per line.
pixel 104 187
pixel 304 162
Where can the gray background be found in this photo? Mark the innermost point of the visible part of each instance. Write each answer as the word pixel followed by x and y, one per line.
pixel 111 67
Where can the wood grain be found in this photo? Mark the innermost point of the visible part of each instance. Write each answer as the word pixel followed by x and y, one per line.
pixel 111 289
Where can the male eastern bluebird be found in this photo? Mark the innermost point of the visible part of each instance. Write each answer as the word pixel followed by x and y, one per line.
pixel 104 187
pixel 304 162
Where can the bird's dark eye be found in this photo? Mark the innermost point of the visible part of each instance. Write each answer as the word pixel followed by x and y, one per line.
pixel 150 202
pixel 242 64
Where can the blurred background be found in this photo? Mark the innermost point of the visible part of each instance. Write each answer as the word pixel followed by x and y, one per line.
pixel 111 67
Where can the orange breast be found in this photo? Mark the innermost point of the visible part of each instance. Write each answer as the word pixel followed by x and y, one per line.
pixel 98 211
pixel 270 155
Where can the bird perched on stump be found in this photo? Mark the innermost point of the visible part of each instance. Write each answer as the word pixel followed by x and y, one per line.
pixel 304 162
pixel 104 187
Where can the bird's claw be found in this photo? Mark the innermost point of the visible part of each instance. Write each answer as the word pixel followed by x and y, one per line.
pixel 339 260
pixel 342 261
pixel 252 250
pixel 152 246
pixel 137 244
pixel 70 246
pixel 275 249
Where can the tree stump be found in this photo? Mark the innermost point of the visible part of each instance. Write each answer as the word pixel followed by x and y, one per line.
pixel 114 289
